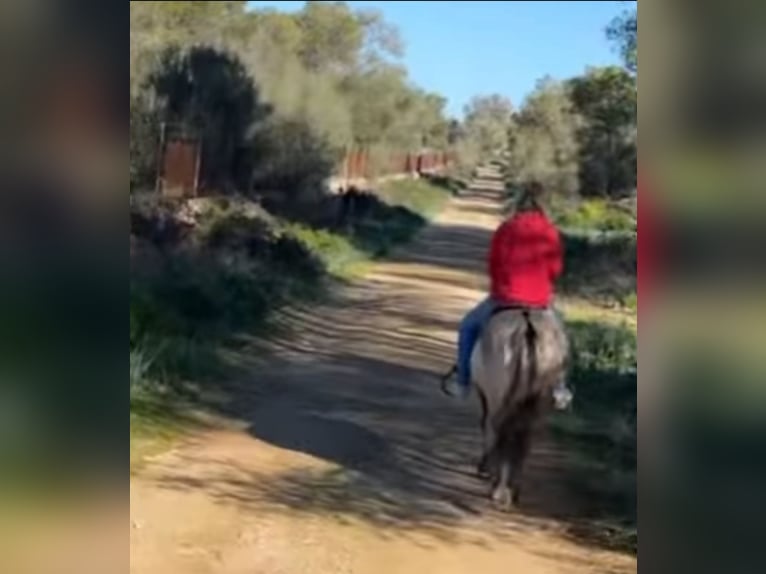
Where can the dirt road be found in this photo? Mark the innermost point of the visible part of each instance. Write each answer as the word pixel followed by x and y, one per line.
pixel 349 460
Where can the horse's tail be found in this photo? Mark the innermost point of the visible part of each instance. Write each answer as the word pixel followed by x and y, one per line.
pixel 522 369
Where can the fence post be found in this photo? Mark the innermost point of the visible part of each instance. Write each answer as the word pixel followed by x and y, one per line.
pixel 197 162
pixel 160 159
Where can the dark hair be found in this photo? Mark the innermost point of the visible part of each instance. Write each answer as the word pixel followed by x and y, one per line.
pixel 532 197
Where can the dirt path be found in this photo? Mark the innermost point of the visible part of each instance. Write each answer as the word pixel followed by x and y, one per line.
pixel 349 459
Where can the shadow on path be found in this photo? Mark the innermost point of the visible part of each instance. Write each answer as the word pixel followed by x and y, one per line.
pixel 354 385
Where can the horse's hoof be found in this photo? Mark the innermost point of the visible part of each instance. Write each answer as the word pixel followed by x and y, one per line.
pixel 502 498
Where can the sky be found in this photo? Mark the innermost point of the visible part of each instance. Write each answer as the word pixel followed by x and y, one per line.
pixel 464 48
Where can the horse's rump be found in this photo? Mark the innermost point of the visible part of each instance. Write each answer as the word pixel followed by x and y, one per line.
pixel 518 360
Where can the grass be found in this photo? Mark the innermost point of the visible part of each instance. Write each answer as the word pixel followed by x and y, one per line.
pixel 394 213
pixel 337 253
pixel 600 267
pixel 419 196
pixel 593 215
pixel 602 427
pixel 237 266
pixel 599 301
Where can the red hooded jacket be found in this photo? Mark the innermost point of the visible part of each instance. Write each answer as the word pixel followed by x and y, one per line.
pixel 525 258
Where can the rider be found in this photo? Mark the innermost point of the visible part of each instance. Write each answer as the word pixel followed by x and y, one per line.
pixel 525 258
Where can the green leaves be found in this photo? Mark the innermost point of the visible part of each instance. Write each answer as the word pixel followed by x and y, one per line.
pixel 487 119
pixel 623 32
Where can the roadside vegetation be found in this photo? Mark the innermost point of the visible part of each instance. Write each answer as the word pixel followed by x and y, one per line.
pixel 206 269
pixel 277 99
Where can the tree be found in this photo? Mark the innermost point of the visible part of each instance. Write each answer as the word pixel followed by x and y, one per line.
pixel 543 139
pixel 269 45
pixel 328 73
pixel 332 36
pixel 380 37
pixel 210 92
pixel 606 99
pixel 487 119
pixel 623 32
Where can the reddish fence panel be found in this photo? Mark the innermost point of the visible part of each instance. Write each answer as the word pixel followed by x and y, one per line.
pixel 180 168
pixel 357 163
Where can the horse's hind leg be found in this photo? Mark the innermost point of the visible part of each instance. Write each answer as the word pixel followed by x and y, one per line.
pixel 483 466
pixel 502 495
pixel 487 462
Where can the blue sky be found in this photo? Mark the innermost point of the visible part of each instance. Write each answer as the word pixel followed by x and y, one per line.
pixel 460 48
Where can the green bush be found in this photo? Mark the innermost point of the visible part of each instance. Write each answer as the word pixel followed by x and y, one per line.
pixel 417 195
pixel 336 252
pixel 602 425
pixel 142 362
pixel 604 347
pixel 230 267
pixel 599 265
pixel 394 213
pixel 594 215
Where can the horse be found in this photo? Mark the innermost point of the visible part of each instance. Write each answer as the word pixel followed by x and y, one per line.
pixel 519 359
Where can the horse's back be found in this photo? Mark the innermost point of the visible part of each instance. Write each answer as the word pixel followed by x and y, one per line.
pixel 493 354
pixel 503 362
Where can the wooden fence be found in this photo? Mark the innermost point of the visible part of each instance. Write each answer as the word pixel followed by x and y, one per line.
pixel 179 163
pixel 359 163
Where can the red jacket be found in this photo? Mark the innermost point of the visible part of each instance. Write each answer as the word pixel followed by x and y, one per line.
pixel 524 260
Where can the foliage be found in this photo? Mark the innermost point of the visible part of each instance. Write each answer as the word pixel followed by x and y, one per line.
pixel 292 159
pixel 419 196
pixel 543 139
pixel 238 263
pixel 602 426
pixel 144 127
pixel 394 213
pixel 595 215
pixel 141 362
pixel 327 70
pixel 623 32
pixel 487 119
pixel 599 265
pixel 337 253
pixel 386 110
pixel 211 93
pixel 331 36
pixel 606 98
pixel 578 137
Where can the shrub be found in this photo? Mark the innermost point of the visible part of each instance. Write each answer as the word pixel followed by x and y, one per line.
pixel 417 195
pixel 599 264
pixel 594 215
pixel 141 363
pixel 336 252
pixel 602 426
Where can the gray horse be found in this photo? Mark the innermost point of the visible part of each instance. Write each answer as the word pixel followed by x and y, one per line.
pixel 518 362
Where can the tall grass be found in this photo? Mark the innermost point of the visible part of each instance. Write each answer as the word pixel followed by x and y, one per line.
pixel 594 215
pixel 419 196
pixel 602 427
pixel 337 253
pixel 396 212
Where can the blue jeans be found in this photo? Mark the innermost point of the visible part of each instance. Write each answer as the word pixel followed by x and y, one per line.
pixel 468 334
